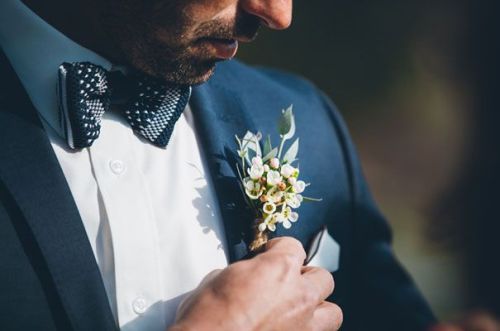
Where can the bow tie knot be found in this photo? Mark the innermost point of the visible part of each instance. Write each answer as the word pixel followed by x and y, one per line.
pixel 87 91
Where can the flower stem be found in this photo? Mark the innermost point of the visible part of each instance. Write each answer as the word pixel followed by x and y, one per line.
pixel 282 143
pixel 259 241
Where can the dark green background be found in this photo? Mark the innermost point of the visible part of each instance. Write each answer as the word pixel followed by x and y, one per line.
pixel 408 76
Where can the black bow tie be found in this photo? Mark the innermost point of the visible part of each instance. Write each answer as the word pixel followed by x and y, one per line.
pixel 86 92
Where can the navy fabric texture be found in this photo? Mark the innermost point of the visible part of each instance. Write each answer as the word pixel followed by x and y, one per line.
pixel 47 269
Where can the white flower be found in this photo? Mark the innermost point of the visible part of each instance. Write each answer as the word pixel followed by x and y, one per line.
pixel 269 223
pixel 269 208
pixel 292 180
pixel 293 200
pixel 299 186
pixel 256 171
pixel 287 170
pixel 275 195
pixel 290 217
pixel 257 161
pixel 279 218
pixel 266 168
pixel 273 177
pixel 253 189
pixel 275 163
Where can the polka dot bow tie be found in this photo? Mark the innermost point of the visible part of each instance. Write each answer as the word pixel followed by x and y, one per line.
pixel 87 91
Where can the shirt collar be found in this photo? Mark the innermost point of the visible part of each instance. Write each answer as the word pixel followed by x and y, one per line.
pixel 36 50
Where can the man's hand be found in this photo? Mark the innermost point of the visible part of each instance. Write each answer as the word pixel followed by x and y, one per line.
pixel 270 292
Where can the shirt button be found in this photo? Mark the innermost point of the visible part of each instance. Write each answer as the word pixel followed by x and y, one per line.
pixel 117 167
pixel 140 305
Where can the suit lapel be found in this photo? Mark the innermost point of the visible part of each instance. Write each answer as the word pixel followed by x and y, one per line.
pixel 220 115
pixel 34 180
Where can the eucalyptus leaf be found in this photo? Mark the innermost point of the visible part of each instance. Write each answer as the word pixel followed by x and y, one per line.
pixel 286 124
pixel 270 155
pixel 267 146
pixel 292 152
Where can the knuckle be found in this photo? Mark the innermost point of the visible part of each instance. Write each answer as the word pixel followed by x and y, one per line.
pixel 287 243
pixel 310 296
pixel 266 261
pixel 323 278
pixel 292 242
pixel 289 262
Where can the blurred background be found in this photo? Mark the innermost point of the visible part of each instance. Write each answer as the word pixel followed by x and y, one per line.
pixel 416 82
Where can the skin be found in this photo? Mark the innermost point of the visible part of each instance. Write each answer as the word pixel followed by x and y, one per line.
pixel 270 292
pixel 166 39
pixel 171 40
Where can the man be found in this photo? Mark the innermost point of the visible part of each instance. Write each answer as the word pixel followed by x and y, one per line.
pixel 102 227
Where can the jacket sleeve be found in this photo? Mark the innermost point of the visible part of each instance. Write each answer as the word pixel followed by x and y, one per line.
pixel 385 297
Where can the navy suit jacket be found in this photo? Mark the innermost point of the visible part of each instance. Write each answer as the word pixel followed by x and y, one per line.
pixel 49 279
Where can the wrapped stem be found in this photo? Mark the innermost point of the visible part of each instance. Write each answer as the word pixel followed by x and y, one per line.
pixel 260 240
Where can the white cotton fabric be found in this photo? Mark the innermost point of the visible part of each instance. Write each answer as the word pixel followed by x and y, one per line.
pixel 150 214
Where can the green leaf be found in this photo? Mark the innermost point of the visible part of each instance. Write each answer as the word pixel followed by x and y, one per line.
pixel 270 155
pixel 250 142
pixel 286 124
pixel 267 146
pixel 292 152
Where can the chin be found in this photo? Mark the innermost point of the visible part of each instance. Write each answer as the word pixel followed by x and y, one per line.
pixel 191 76
pixel 201 79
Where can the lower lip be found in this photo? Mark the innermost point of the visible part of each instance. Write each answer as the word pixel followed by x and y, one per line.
pixel 224 50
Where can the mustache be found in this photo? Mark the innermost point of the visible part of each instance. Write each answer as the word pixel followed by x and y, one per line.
pixel 244 27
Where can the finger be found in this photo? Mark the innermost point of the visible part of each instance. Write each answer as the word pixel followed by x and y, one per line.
pixel 327 317
pixel 321 279
pixel 209 277
pixel 289 246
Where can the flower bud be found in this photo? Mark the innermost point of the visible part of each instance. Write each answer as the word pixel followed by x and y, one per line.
pixel 282 186
pixel 287 170
pixel 275 163
pixel 257 161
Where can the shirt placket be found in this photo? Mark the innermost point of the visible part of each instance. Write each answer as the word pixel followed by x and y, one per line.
pixel 134 234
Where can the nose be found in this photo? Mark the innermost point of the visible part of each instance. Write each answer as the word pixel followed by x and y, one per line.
pixel 275 14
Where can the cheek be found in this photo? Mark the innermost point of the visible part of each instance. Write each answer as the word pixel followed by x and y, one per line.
pixel 207 10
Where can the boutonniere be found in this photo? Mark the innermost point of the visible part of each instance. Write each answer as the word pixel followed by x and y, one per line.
pixel 270 180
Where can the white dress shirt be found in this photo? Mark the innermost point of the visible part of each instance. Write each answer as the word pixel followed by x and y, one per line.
pixel 150 214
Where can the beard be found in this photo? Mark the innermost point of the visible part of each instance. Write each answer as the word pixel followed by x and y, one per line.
pixel 162 41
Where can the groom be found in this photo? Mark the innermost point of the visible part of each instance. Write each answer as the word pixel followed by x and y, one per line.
pixel 118 193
